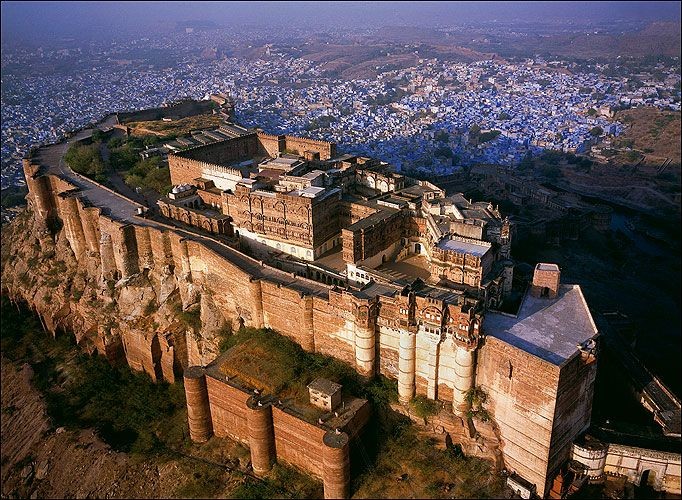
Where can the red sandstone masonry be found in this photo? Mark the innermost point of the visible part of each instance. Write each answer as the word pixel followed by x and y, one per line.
pixel 227 410
pixel 298 442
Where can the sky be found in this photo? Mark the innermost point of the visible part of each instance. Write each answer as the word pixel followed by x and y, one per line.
pixel 20 19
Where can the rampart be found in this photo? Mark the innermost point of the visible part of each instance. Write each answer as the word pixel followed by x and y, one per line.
pixel 272 430
pixel 275 144
pixel 181 109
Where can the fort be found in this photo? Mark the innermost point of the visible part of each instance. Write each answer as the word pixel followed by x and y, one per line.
pixel 349 259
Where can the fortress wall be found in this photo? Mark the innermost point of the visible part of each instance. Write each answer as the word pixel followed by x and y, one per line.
pixel 166 363
pixel 90 221
pixel 183 170
pixel 272 433
pixel 144 247
pixel 244 147
pixel 228 410
pixel 187 165
pixel 40 191
pixel 446 371
pixel 230 288
pixel 298 442
pixel 327 150
pixel 283 311
pixel 182 109
pixel 109 239
pixel 138 352
pixel 180 256
pixel 125 250
pixel 270 144
pixel 575 392
pixel 389 349
pixel 334 334
pixel 160 245
pixel 71 218
pixel 426 366
pixel 522 405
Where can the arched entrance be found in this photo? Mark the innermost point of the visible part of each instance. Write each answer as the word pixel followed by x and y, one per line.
pixel 417 248
pixel 648 479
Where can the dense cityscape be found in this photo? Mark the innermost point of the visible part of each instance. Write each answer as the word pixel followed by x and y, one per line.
pixel 341 249
pixel 399 116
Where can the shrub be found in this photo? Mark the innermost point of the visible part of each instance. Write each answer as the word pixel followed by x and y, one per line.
pixel 150 308
pixel 86 160
pixel 424 407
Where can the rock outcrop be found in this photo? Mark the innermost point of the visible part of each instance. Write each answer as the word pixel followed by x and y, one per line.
pixel 155 319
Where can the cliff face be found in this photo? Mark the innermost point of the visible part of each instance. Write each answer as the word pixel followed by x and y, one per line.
pixel 155 319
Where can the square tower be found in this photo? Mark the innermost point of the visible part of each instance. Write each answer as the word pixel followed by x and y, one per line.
pixel 546 280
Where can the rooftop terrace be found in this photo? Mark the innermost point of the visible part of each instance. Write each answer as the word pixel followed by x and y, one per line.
pixel 550 329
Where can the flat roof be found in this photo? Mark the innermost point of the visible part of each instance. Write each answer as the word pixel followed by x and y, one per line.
pixel 466 247
pixel 550 329
pixel 324 385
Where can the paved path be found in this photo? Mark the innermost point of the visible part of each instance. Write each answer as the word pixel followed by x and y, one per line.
pixel 118 207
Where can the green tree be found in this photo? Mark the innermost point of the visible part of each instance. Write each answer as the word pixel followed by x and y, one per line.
pixel 150 174
pixel 596 131
pixel 504 116
pixel 86 160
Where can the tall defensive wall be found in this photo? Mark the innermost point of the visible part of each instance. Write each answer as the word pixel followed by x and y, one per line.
pixel 427 339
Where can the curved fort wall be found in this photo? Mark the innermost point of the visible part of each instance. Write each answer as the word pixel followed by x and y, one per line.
pixel 271 432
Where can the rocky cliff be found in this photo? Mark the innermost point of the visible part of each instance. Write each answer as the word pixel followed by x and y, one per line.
pixel 156 320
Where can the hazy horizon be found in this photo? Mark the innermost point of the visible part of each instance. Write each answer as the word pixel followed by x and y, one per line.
pixel 30 20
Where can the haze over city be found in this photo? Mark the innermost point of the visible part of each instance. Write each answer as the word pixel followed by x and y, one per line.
pixel 341 249
pixel 27 20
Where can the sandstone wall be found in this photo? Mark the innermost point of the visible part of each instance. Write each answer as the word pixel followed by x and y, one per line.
pixel 188 165
pixel 271 144
pixel 573 408
pixel 227 408
pixel 298 442
pixel 327 150
pixel 522 395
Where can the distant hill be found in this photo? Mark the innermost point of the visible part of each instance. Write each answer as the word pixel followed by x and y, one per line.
pixel 656 39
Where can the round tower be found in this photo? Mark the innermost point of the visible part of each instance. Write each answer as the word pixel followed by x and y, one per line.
pixel 198 408
pixel 364 341
pixel 336 465
pixel 406 365
pixel 592 454
pixel 464 378
pixel 466 339
pixel 261 435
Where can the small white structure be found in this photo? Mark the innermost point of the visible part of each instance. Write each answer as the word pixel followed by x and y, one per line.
pixel 521 487
pixel 325 394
